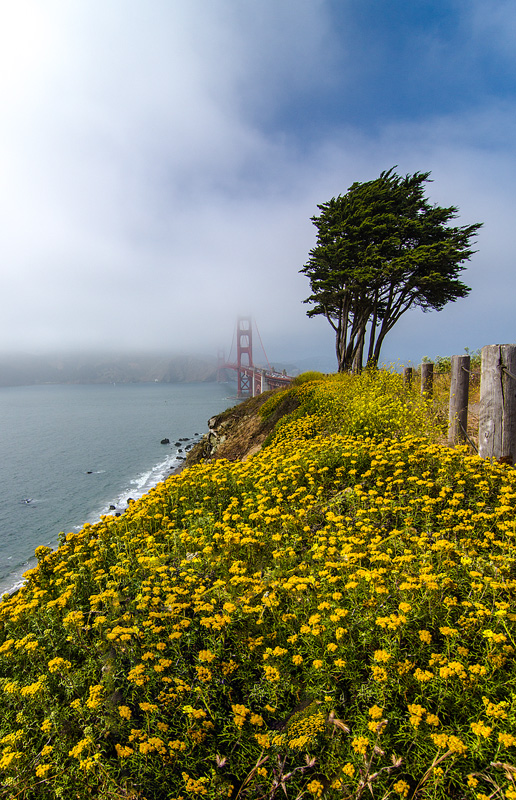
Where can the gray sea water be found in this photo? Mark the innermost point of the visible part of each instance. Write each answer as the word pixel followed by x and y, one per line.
pixel 69 452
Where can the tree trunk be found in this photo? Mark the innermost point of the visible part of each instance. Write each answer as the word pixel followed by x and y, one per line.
pixel 372 332
pixel 359 355
pixel 339 354
pixel 378 347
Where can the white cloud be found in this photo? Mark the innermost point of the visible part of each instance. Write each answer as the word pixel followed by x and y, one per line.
pixel 148 195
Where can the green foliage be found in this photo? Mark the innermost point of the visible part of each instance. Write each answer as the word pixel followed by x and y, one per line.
pixel 475 358
pixel 331 618
pixel 308 377
pixel 274 401
pixel 442 364
pixel 381 249
pixel 374 403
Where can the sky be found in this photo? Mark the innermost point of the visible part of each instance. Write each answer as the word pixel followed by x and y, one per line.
pixel 160 161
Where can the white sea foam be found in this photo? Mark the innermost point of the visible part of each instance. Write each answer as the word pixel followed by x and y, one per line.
pixel 144 482
pixel 136 489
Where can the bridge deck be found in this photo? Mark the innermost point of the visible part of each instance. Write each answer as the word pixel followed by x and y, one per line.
pixel 255 380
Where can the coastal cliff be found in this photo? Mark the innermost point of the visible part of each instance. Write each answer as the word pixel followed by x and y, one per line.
pixel 240 431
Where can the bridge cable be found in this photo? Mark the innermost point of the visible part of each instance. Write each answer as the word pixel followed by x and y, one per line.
pixel 263 348
pixel 231 348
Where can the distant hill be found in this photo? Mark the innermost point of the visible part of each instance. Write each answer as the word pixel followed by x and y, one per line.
pixel 28 370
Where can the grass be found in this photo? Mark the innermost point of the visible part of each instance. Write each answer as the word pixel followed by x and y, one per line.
pixel 331 618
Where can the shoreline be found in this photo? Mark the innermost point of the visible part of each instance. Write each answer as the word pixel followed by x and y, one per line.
pixel 113 510
pixel 80 452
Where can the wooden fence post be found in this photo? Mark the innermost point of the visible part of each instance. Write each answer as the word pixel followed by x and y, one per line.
pixel 497 422
pixel 407 376
pixel 427 379
pixel 459 393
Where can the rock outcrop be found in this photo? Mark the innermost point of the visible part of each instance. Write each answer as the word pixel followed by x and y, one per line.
pixel 240 431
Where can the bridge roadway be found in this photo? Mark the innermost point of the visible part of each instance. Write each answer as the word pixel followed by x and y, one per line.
pixel 255 380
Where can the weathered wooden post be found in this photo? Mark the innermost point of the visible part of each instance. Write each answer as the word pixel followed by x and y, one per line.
pixel 427 378
pixel 497 421
pixel 459 395
pixel 407 376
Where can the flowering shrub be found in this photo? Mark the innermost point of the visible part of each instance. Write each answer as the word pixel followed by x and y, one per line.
pixel 374 403
pixel 331 618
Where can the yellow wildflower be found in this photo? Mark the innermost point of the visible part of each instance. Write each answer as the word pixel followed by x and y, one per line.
pixel 479 729
pixel 360 744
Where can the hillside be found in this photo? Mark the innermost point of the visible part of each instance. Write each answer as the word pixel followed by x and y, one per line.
pixel 327 615
pixel 240 431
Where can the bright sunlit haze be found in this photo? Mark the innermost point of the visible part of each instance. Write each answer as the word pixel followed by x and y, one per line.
pixel 161 162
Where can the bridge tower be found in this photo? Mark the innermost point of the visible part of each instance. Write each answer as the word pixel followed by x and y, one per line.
pixel 244 356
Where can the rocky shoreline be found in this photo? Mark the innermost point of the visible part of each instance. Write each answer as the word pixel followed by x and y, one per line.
pixel 239 432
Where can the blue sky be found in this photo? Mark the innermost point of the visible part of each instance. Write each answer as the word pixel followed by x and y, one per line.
pixel 160 162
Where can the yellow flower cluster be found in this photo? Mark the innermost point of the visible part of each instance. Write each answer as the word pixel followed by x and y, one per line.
pixel 304 728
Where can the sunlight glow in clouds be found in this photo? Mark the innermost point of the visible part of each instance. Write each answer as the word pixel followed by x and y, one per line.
pixel 160 163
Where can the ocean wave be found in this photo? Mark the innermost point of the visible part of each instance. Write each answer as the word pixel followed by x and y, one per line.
pixel 142 483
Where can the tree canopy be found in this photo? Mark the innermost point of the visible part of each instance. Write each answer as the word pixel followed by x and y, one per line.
pixel 382 248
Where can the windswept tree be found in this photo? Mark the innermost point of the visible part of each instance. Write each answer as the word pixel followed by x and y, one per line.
pixel 381 249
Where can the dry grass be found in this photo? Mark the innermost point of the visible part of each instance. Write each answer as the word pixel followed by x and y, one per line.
pixel 441 400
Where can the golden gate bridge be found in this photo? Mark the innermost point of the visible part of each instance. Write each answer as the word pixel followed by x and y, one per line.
pixel 251 379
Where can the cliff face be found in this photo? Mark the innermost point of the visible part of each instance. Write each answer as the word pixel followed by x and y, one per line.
pixel 240 431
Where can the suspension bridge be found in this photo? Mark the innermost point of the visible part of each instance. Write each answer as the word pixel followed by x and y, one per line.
pixel 251 379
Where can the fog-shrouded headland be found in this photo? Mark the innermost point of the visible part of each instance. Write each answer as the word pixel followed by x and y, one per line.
pixel 28 370
pixel 22 369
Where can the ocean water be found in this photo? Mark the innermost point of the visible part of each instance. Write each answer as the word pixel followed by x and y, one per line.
pixel 68 453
